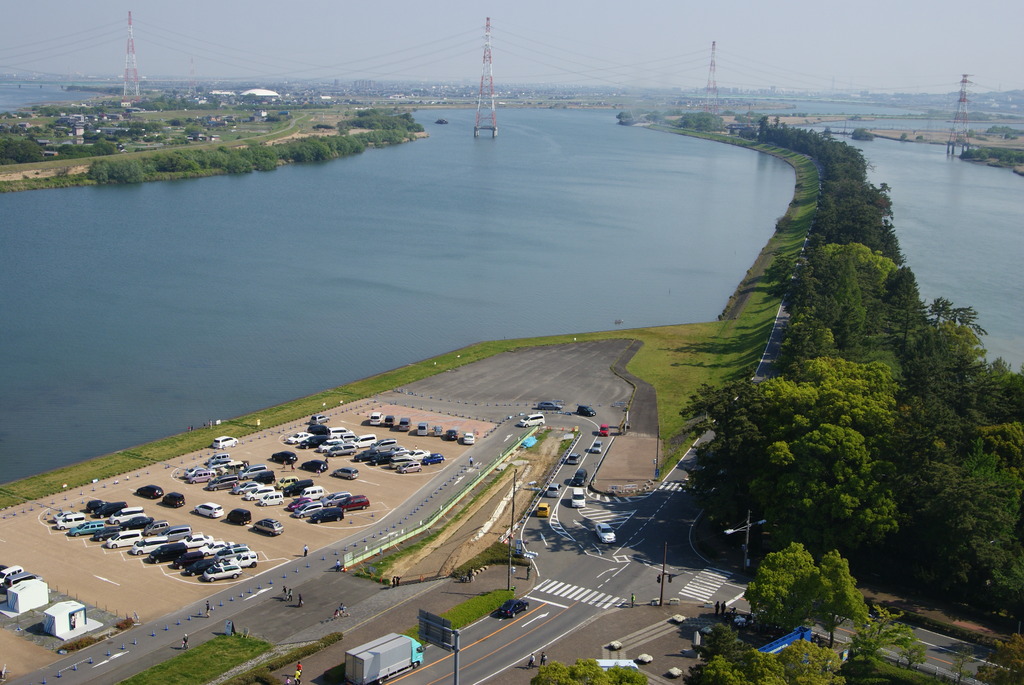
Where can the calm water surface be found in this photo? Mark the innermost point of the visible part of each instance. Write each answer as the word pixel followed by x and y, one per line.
pixel 132 312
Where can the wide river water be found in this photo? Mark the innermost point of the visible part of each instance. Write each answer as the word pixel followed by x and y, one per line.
pixel 130 313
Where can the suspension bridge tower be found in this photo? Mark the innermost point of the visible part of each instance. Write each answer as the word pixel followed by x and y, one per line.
pixel 131 68
pixel 486 91
pixel 959 134
pixel 711 91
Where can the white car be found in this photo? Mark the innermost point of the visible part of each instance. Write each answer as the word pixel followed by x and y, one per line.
pixel 604 532
pixel 197 541
pixel 552 490
pixel 376 418
pixel 256 494
pixel 418 455
pixel 468 439
pixel 296 438
pixel 245 487
pixel 596 447
pixel 221 572
pixel 224 442
pixel 209 509
pixel 211 547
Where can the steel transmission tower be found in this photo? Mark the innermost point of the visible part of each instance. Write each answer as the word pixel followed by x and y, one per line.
pixel 131 68
pixel 958 135
pixel 486 83
pixel 191 77
pixel 711 92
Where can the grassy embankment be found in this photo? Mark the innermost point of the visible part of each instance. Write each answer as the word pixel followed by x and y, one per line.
pixel 675 359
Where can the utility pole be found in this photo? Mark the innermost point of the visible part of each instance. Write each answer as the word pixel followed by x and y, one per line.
pixel 664 576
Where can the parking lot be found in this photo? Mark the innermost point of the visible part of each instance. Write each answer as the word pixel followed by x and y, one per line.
pixel 124 585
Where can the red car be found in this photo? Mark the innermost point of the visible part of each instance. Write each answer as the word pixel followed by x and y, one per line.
pixel 603 430
pixel 295 504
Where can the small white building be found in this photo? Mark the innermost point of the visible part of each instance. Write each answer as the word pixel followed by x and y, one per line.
pixel 67 620
pixel 25 596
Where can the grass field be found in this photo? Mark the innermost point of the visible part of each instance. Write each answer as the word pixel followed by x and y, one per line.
pixel 203 663
pixel 676 360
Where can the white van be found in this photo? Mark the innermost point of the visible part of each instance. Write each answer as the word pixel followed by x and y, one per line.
pixel 126 538
pixel 313 492
pixel 365 440
pixel 218 459
pixel 125 515
pixel 270 499
pixel 9 572
pixel 147 545
pixel 252 471
pixel 422 429
pixel 224 442
pixel 577 498
pixel 341 432
pixel 532 420
pixel 69 519
pixel 376 418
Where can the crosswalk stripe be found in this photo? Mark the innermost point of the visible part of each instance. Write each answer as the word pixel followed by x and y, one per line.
pixel 577 593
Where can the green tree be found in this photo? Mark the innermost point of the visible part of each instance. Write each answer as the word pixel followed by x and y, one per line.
pixel 721 642
pixel 963 654
pixel 804 663
pixel 881 632
pixel 586 672
pixel 785 587
pixel 1006 665
pixel 838 597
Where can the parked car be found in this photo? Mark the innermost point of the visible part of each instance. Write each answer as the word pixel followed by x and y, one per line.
pixel 319 430
pixel 221 571
pixel 285 456
pixel 335 498
pixel 68 519
pixel 264 478
pixel 296 503
pixel 389 420
pixel 512 607
pixel 196 568
pixel 257 494
pixel 199 475
pixel 549 406
pixel 197 541
pixel 87 528
pixel 173 499
pixel 150 492
pixel 327 514
pixel 167 552
pixel 307 509
pixel 296 438
pixel 404 424
pixel 92 505
pixel 315 465
pixel 346 472
pixel 312 442
pixel 433 458
pixel 224 442
pixel 244 487
pixel 452 434
pixel 105 533
pixel 469 439
pixel 108 510
pixel 137 523
pixel 297 487
pixel 239 516
pixel 586 410
pixel 268 526
pixel 410 467
pixel 604 532
pixel 209 509
pixel 188 558
pixel 342 450
pixel 376 418
pixel 318 418
pixel 218 460
pixel 355 502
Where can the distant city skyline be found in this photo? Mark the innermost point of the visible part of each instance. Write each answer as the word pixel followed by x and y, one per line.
pixel 909 46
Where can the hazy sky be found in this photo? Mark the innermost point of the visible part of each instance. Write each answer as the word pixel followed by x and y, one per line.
pixel 896 45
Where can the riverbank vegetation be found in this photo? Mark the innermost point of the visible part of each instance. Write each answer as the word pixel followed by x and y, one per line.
pixel 887 436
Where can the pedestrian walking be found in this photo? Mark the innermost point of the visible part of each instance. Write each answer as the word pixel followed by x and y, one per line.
pixel 717 607
pixel 290 594
pixel 632 600
pixel 532 662
pixel 284 591
pixel 471 462
pixel 207 608
pixel 337 566
pixel 543 658
pixel 184 641
pixel 300 599
pixel 298 677
pixel 305 550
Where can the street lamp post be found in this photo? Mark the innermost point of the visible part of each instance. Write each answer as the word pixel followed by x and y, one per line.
pixel 746 544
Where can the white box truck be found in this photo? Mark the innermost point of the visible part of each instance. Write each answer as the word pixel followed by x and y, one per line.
pixel 384 657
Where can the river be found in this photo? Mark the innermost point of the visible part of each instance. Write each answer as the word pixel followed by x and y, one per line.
pixel 133 312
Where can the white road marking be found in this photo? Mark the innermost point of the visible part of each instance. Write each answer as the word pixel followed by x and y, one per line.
pixel 256 594
pixel 544 601
pixel 112 657
pixel 107 580
pixel 536 618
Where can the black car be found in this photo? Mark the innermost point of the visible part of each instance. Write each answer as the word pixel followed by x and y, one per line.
pixel 105 533
pixel 173 499
pixel 452 434
pixel 314 465
pixel 264 477
pixel 363 456
pixel 188 558
pixel 239 516
pixel 513 607
pixel 314 441
pixel 378 459
pixel 326 515
pixel 137 523
pixel 585 410
pixel 296 487
pixel 319 429
pixel 389 420
pixel 285 457
pixel 150 492
pixel 108 510
pixel 579 480
pixel 196 568
pixel 168 552
pixel 92 505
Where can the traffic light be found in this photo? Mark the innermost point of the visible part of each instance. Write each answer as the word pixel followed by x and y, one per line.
pixel 659 577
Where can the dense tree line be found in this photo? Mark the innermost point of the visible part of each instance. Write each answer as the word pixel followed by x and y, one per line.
pixel 1001 155
pixel 887 436
pixel 186 163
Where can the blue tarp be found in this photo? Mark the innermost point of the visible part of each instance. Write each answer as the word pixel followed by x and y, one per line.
pixel 530 441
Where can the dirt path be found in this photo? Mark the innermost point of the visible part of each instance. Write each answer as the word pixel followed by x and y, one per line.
pixel 45 173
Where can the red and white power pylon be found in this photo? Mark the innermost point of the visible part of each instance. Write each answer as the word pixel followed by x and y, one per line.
pixel 959 134
pixel 711 91
pixel 131 68
pixel 486 85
